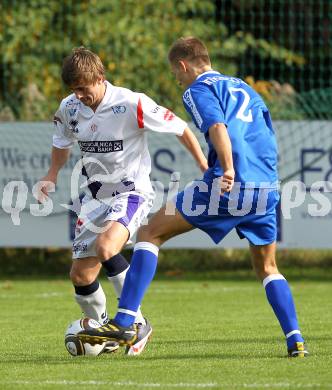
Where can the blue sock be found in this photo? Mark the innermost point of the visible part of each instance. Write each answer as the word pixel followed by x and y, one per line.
pixel 139 276
pixel 280 298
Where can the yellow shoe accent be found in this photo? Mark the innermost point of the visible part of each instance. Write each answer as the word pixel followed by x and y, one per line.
pixel 298 351
pixel 300 348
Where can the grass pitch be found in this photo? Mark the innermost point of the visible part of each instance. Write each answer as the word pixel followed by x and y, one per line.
pixel 207 334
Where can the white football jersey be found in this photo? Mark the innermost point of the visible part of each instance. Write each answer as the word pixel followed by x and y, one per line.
pixel 114 137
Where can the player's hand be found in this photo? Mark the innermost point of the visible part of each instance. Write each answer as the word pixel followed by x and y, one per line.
pixel 227 181
pixel 46 184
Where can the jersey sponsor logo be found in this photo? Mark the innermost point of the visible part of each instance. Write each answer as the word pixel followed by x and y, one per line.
pixel 79 225
pixel 101 146
pixel 72 111
pixel 116 208
pixel 93 127
pixel 73 103
pixel 155 110
pixel 81 247
pixel 73 126
pixel 72 106
pixel 188 99
pixel 119 109
pixel 169 116
pixel 214 79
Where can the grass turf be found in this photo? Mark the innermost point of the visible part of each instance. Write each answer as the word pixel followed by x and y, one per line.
pixel 207 334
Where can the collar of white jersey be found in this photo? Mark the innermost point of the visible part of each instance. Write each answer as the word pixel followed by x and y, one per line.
pixel 209 71
pixel 108 93
pixel 109 88
pixel 105 99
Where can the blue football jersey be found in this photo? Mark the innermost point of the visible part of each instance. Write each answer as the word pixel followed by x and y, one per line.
pixel 215 98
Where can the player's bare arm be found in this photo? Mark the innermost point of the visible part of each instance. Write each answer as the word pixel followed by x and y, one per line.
pixel 189 140
pixel 220 139
pixel 58 159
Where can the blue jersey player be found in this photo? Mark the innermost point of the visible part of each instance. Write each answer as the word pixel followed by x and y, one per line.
pixel 238 190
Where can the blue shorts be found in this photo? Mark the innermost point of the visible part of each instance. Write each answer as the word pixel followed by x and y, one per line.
pixel 252 212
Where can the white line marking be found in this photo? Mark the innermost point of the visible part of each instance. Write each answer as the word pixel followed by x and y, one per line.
pixel 172 385
pixel 49 295
pixel 133 384
pixel 45 295
pixel 199 290
pixel 285 385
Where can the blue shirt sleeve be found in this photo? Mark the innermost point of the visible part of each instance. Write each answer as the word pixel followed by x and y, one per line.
pixel 203 106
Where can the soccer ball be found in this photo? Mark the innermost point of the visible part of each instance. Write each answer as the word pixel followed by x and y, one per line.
pixel 75 346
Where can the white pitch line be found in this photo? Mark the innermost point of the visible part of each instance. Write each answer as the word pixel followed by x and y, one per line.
pixel 199 290
pixel 49 295
pixel 45 295
pixel 172 385
pixel 285 385
pixel 120 384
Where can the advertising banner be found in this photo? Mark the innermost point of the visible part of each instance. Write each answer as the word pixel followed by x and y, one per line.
pixel 304 216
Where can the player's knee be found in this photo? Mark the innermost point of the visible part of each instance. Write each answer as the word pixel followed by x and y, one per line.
pixel 149 234
pixel 106 251
pixel 81 278
pixel 144 233
pixel 265 269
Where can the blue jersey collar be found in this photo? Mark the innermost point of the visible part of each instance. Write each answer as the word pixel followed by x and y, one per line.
pixel 203 74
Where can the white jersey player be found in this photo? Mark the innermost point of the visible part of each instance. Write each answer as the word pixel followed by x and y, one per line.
pixel 115 134
pixel 110 125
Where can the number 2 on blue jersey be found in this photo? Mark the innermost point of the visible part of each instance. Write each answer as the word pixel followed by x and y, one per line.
pixel 241 113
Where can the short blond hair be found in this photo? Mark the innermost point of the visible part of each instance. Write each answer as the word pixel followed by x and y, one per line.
pixel 82 66
pixel 191 49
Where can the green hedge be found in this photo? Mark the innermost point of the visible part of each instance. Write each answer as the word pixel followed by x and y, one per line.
pixel 53 262
pixel 132 38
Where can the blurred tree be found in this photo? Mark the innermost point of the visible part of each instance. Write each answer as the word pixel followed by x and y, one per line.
pixel 131 37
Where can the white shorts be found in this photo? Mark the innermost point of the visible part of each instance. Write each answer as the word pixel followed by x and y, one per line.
pixel 128 208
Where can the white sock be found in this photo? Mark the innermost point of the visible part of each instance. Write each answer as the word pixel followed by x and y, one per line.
pixel 94 305
pixel 117 282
